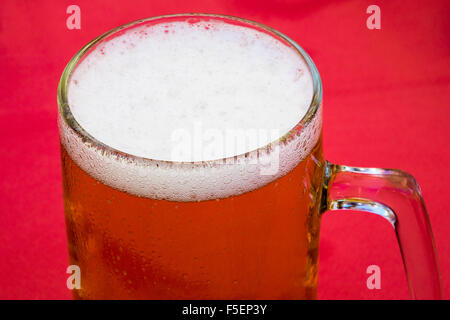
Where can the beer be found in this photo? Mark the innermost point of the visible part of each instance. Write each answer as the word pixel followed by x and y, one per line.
pixel 160 202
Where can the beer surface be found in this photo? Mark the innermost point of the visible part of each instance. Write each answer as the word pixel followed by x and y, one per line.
pixel 158 88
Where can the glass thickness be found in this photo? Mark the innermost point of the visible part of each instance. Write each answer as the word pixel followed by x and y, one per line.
pixel 261 244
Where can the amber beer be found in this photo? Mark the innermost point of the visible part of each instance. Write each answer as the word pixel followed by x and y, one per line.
pixel 142 225
pixel 258 245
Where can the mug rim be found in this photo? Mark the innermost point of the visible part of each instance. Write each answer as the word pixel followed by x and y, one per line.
pixel 67 116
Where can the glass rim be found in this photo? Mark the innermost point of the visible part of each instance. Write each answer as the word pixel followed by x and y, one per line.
pixel 69 119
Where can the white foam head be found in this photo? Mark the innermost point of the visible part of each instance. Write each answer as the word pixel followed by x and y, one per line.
pixel 183 92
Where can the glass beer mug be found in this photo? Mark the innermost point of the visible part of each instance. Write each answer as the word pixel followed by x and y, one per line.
pixel 226 228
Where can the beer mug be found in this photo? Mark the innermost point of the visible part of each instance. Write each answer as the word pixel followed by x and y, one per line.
pixel 244 226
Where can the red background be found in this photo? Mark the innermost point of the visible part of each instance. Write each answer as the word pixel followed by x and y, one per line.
pixel 385 105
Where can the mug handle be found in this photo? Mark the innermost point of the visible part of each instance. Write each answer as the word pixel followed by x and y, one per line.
pixel 394 195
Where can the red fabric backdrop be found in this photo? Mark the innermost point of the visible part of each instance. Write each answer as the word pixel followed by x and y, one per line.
pixel 385 105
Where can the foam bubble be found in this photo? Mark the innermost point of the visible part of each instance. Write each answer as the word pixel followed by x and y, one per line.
pixel 146 90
